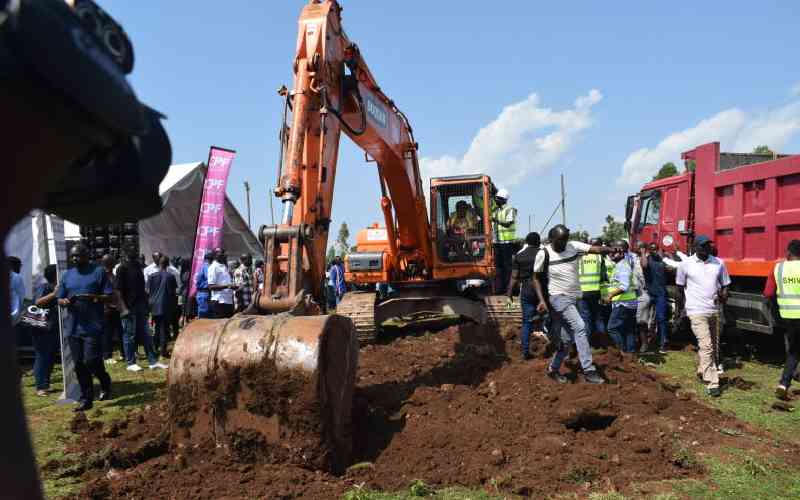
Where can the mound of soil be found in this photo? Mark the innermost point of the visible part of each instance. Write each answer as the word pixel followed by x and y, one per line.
pixel 451 408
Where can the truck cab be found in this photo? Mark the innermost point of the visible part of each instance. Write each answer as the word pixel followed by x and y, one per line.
pixel 660 213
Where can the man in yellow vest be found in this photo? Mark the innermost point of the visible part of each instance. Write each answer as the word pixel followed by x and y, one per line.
pixel 784 284
pixel 504 224
pixel 605 285
pixel 590 273
pixel 622 295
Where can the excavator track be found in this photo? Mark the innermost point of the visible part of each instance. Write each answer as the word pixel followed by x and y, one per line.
pixel 360 308
pixel 502 314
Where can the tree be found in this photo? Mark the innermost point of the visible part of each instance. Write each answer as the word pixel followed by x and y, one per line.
pixel 614 230
pixel 763 149
pixel 667 170
pixel 330 256
pixel 579 235
pixel 690 165
pixel 342 247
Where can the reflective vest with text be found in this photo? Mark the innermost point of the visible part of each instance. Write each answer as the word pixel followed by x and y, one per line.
pixel 787 279
pixel 589 273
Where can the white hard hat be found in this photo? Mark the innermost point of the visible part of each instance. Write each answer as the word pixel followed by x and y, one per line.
pixel 503 193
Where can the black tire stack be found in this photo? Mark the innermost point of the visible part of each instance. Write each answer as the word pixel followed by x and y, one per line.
pixel 110 239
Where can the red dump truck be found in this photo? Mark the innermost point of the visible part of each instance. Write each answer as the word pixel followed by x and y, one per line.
pixel 748 203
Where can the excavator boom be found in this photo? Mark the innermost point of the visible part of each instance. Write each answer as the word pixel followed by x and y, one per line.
pixel 334 92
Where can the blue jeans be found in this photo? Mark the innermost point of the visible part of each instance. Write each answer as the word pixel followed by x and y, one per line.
pixel 568 328
pixel 622 327
pixel 662 306
pixel 591 313
pixel 45 347
pixel 203 306
pixel 134 331
pixel 528 315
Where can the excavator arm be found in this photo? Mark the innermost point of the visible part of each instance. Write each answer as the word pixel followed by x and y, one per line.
pixel 334 92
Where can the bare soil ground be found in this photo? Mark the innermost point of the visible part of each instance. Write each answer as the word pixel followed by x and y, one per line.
pixel 455 408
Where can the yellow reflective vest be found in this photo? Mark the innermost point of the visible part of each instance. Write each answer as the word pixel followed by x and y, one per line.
pixel 787 280
pixel 630 293
pixel 506 213
pixel 589 272
pixel 605 285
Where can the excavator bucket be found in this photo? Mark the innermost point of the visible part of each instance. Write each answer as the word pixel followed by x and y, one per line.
pixel 277 381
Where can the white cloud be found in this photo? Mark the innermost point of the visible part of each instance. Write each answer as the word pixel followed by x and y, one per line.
pixel 735 129
pixel 525 138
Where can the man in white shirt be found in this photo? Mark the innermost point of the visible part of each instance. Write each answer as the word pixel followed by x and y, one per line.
pixel 221 285
pixel 561 264
pixel 153 267
pixel 702 279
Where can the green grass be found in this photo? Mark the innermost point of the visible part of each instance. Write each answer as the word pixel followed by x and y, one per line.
pixel 752 406
pixel 740 474
pixel 418 489
pixel 49 421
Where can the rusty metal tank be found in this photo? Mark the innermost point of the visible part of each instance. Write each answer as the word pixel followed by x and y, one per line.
pixel 283 380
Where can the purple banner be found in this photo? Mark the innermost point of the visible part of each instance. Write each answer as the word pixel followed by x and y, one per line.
pixel 212 209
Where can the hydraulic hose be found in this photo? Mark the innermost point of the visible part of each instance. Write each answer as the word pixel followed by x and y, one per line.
pixel 335 112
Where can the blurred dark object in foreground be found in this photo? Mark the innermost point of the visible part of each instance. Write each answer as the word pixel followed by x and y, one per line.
pixel 76 141
pixel 66 95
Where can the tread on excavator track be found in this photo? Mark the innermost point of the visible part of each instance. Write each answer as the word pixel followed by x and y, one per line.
pixel 360 308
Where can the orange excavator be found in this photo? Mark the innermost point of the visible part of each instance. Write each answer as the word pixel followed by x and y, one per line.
pixel 284 369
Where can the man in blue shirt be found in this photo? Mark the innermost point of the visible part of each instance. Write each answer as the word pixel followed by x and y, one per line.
pixel 17 288
pixel 203 293
pixel 655 279
pixel 622 295
pixel 337 279
pixel 83 291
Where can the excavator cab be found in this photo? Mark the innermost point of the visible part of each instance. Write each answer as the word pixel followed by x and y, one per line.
pixel 461 227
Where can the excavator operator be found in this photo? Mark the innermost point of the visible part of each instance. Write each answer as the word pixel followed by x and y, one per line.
pixel 463 221
pixel 460 225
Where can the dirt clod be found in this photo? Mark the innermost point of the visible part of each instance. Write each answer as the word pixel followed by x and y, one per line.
pixel 79 423
pixel 782 406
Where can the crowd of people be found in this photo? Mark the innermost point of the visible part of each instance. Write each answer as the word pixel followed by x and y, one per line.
pixel 109 307
pixel 581 290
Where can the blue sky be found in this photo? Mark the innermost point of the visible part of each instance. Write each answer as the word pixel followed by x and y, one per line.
pixel 604 92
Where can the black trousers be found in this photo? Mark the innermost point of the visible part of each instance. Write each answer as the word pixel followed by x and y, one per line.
pixel 503 254
pixel 176 321
pixel 163 323
pixel 112 335
pixel 222 311
pixel 792 343
pixel 88 356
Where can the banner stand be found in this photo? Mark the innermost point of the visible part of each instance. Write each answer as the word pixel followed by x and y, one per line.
pixel 211 211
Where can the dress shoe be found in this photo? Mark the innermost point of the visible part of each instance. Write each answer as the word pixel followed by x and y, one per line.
pixel 83 406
